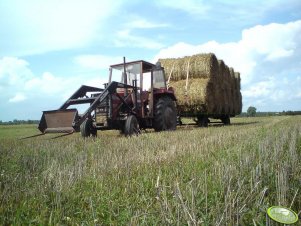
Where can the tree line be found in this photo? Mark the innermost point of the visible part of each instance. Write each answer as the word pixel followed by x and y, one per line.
pixel 252 112
pixel 19 122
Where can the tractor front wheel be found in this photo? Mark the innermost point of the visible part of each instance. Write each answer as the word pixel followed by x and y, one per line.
pixel 87 129
pixel 165 113
pixel 131 126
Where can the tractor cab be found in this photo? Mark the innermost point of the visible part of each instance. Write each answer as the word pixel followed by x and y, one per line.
pixel 141 72
pixel 147 79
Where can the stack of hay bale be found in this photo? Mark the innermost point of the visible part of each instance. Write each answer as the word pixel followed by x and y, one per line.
pixel 204 84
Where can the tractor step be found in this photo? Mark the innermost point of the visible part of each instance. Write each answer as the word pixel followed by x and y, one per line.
pixel 58 121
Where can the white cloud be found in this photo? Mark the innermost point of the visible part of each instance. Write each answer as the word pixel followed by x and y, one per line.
pixel 273 40
pixel 96 81
pixel 280 53
pixel 260 89
pixel 273 89
pixel 35 93
pixel 33 26
pixel 17 98
pixel 13 71
pixel 233 13
pixel 48 84
pixel 190 6
pixel 267 57
pixel 51 85
pixel 126 39
pixel 141 23
pixel 270 42
pixel 18 83
pixel 97 61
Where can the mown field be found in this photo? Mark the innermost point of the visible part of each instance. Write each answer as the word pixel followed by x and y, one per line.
pixel 221 175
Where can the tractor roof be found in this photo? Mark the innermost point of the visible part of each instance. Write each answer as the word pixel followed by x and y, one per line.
pixel 146 66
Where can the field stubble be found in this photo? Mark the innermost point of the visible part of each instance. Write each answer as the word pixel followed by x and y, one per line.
pixel 196 176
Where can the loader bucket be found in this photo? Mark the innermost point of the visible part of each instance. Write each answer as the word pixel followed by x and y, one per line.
pixel 58 121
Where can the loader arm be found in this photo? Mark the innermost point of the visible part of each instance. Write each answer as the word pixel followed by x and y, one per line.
pixel 66 120
pixel 79 97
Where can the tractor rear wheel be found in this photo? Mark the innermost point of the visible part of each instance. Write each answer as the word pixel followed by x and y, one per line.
pixel 165 114
pixel 87 129
pixel 203 122
pixel 131 126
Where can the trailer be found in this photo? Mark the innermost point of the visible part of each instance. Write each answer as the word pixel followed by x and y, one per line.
pixel 205 87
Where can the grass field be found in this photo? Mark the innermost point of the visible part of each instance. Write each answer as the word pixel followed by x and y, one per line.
pixel 221 175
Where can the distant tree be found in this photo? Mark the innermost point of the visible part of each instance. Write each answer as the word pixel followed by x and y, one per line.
pixel 19 122
pixel 251 111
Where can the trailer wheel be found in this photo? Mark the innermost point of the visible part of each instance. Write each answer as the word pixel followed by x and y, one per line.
pixel 87 129
pixel 179 121
pixel 203 122
pixel 131 126
pixel 226 120
pixel 165 114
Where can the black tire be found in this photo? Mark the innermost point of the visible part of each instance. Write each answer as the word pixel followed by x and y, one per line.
pixel 87 129
pixel 165 114
pixel 203 122
pixel 226 120
pixel 121 131
pixel 131 126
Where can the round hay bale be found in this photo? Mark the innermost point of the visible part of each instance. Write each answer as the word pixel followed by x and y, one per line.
pixel 196 66
pixel 232 92
pixel 237 77
pixel 227 88
pixel 198 97
pixel 221 97
pixel 238 106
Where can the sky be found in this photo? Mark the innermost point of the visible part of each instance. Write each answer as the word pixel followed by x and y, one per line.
pixel 48 49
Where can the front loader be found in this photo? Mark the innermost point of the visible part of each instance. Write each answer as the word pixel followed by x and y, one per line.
pixel 139 100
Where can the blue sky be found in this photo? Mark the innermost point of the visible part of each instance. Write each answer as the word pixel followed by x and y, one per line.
pixel 49 48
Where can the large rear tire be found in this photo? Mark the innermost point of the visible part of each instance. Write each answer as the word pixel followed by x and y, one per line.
pixel 203 121
pixel 87 129
pixel 131 126
pixel 165 114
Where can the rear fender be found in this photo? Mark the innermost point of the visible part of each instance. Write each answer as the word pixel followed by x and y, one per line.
pixel 158 95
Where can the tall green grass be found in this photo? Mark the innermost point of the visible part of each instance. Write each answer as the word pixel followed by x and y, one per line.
pixel 193 176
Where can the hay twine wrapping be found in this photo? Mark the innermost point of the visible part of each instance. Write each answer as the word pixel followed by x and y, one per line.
pixel 204 84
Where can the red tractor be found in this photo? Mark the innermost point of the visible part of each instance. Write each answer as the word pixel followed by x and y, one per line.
pixel 140 100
